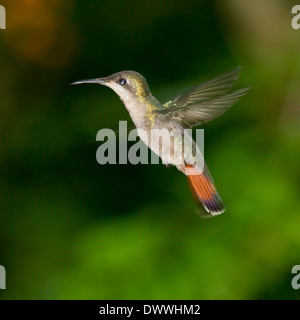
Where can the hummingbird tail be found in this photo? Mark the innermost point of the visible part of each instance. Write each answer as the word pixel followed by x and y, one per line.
pixel 204 191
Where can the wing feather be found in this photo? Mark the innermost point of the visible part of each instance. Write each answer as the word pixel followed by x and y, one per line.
pixel 204 102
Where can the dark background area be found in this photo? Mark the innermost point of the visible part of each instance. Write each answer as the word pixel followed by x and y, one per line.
pixel 73 229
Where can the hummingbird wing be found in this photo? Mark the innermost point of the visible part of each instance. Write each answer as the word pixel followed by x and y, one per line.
pixel 204 102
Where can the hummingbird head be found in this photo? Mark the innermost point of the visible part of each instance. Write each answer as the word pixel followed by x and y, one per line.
pixel 127 85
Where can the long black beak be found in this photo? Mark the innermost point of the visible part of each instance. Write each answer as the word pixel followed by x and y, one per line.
pixel 97 80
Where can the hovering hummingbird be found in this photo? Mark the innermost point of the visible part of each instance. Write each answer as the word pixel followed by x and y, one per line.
pixel 202 103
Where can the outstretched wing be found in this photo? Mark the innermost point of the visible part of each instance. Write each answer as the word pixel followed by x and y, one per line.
pixel 204 102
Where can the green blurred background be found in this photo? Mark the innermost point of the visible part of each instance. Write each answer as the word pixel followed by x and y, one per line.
pixel 73 229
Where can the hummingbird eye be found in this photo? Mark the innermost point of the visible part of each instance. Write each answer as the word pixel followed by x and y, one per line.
pixel 122 81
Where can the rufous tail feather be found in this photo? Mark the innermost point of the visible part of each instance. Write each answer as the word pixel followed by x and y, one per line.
pixel 204 191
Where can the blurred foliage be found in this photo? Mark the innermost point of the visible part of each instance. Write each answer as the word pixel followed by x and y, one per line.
pixel 70 228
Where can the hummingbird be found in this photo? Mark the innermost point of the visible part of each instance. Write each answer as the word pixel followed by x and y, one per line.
pixel 198 105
